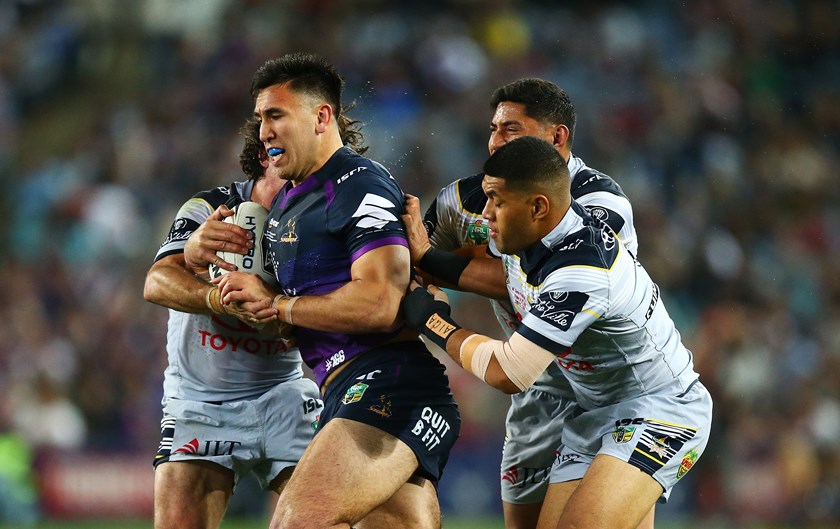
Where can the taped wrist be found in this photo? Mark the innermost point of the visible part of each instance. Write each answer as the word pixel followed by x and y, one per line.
pixel 284 305
pixel 429 316
pixel 444 265
pixel 438 328
pixel 214 300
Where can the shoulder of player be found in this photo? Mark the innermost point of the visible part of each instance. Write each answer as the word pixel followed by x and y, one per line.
pixel 230 194
pixel 357 168
pixel 588 180
pixel 470 193
pixel 589 247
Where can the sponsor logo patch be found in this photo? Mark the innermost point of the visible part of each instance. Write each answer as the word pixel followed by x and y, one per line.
pixel 559 308
pixel 478 232
pixel 188 448
pixel 687 462
pixel 355 393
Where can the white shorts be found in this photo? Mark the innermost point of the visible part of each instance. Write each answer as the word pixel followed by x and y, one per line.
pixel 663 436
pixel 533 430
pixel 263 436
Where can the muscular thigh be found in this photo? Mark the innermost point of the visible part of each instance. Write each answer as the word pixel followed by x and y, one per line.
pixel 349 469
pixel 191 494
pixel 413 506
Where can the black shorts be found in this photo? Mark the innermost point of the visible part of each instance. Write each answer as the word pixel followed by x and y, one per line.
pixel 401 389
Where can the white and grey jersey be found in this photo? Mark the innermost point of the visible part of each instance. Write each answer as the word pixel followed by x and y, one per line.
pixel 454 221
pixel 219 358
pixel 584 296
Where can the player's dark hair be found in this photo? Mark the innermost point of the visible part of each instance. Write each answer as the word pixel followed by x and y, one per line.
pixel 529 163
pixel 313 75
pixel 253 150
pixel 543 101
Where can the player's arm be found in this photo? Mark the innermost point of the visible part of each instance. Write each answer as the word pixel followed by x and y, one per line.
pixel 467 271
pixel 214 235
pixel 370 302
pixel 171 284
pixel 510 366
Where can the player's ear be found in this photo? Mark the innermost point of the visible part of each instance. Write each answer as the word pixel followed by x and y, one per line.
pixel 324 118
pixel 539 207
pixel 561 136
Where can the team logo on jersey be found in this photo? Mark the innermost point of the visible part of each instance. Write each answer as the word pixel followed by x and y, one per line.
pixel 354 394
pixel 478 232
pixel 289 235
pixel 373 212
pixel 658 443
pixel 559 308
pixel 383 407
pixel 687 462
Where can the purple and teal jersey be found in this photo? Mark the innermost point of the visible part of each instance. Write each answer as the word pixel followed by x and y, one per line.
pixel 316 230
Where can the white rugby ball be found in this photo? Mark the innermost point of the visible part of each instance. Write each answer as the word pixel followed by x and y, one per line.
pixel 251 216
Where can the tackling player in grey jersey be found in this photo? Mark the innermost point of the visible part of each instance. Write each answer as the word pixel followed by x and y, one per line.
pixel 454 222
pixel 643 418
pixel 235 400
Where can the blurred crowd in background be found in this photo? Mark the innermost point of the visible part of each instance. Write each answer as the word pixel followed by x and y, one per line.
pixel 719 118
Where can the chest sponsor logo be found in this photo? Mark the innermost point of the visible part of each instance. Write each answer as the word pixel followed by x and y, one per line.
pixel 559 308
pixel 355 393
pixel 249 344
pixel 478 232
pixel 373 212
pixel 431 428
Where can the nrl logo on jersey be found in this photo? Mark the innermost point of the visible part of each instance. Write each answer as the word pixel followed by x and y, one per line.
pixel 478 232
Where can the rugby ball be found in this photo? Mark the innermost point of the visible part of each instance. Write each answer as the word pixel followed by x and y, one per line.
pixel 251 216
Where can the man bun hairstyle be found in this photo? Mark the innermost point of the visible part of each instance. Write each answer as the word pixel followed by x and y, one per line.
pixel 313 75
pixel 543 100
pixel 528 163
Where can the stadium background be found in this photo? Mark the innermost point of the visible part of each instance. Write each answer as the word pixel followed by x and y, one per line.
pixel 719 118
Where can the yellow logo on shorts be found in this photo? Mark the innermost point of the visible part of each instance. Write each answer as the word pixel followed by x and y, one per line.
pixel 622 434
pixel 687 462
pixel 383 408
pixel 354 394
